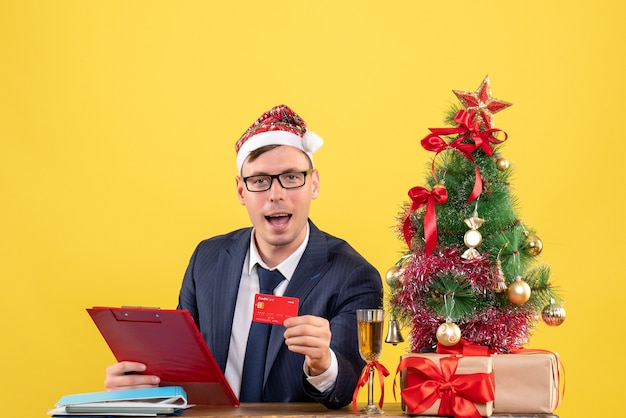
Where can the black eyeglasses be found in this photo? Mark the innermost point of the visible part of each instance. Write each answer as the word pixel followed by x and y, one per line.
pixel 288 180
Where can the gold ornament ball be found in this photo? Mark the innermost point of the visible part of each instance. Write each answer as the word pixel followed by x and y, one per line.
pixel 553 314
pixel 502 164
pixel 534 246
pixel 448 334
pixel 472 238
pixel 518 292
pixel 393 276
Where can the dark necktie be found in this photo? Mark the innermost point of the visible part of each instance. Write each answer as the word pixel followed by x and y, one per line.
pixel 256 350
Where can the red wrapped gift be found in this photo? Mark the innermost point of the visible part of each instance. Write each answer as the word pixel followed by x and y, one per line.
pixel 441 384
pixel 527 382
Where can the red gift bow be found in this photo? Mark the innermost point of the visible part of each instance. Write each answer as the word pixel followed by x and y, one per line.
pixel 420 197
pixel 382 373
pixel 458 393
pixel 481 139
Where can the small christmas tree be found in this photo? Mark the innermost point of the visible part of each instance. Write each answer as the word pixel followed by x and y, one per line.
pixel 471 270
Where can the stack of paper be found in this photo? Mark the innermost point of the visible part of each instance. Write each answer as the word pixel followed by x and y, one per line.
pixel 165 400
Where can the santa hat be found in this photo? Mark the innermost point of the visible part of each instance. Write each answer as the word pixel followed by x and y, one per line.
pixel 278 126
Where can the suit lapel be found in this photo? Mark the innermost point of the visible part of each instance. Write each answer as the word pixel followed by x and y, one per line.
pixel 229 266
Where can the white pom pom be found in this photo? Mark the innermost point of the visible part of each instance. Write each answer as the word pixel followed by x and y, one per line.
pixel 312 141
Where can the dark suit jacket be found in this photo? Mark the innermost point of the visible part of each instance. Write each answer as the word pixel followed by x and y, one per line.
pixel 332 280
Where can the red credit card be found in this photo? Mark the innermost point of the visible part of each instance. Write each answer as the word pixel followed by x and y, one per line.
pixel 272 309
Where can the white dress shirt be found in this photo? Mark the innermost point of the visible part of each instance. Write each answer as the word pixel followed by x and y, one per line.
pixel 248 287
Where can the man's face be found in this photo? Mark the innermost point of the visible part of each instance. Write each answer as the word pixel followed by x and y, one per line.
pixel 279 215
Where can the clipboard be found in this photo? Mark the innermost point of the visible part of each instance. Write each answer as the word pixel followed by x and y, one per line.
pixel 169 343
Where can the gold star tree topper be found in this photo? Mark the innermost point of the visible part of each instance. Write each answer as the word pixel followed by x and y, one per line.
pixel 481 105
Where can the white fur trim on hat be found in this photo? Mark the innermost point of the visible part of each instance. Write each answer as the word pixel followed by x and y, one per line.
pixel 309 143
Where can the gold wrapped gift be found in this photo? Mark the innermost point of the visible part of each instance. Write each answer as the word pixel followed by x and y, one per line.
pixel 527 382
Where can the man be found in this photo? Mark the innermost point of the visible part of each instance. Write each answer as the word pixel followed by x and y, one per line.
pixel 313 356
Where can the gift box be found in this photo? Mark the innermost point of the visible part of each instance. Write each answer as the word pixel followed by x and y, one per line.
pixel 526 382
pixel 442 384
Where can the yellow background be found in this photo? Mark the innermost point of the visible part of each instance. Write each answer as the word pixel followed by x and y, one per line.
pixel 117 126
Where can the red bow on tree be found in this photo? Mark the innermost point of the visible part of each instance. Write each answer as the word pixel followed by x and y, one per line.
pixel 480 139
pixel 420 197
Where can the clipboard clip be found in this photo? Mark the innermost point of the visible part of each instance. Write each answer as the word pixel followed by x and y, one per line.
pixel 136 314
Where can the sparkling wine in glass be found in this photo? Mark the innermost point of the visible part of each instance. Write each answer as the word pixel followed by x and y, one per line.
pixel 370 329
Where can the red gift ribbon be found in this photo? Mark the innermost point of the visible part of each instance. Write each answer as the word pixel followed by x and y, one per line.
pixel 382 373
pixel 420 196
pixel 465 348
pixel 480 139
pixel 458 393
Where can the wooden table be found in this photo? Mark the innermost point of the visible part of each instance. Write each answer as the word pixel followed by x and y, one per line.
pixel 308 410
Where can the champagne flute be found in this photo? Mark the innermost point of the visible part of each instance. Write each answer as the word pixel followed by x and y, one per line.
pixel 370 330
